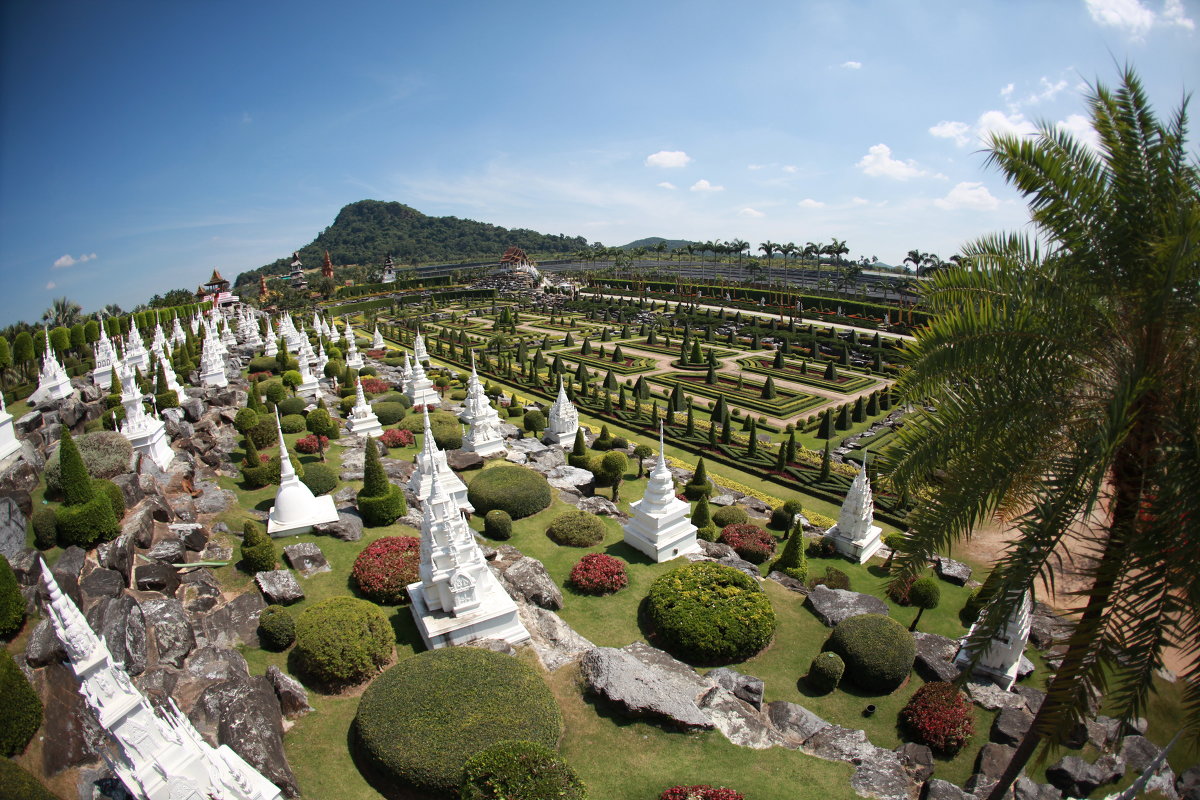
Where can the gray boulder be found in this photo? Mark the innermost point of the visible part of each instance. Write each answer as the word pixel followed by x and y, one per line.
pixel 44 646
pixel 917 760
pixel 12 528
pixel 1025 788
pixel 836 743
pixel 744 687
pixel 600 507
pixel 555 642
pixel 571 479
pixel 935 656
pixel 159 577
pixel 1033 697
pixel 834 605
pixel 938 789
pixel 293 698
pixel 348 527
pixel 211 664
pixel 1047 627
pixel 882 775
pixel 1138 752
pixel 641 690
pixel 170 630
pixel 788 582
pixel 460 460
pixel 306 558
pixel 70 734
pixel 121 622
pixel 279 587
pixel 169 548
pixel 1077 778
pixel 795 722
pixel 992 760
pixel 953 571
pixel 236 622
pixel 739 721
pixel 130 487
pixel 193 408
pixel 102 582
pixel 1188 784
pixel 27 566
pixel 1011 725
pixel 988 695
pixel 199 590
pixel 528 578
pixel 66 572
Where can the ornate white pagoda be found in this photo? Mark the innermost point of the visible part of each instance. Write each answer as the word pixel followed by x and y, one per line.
pixel 483 436
pixel 564 419
pixel 855 535
pixel 362 420
pixel 146 432
pixel 420 389
pixel 135 350
pixel 308 382
pixel 458 599
pixel 419 351
pixel 270 347
pixel 389 271
pixel 660 526
pixel 433 469
pixel 156 753
pixel 296 509
pixel 354 359
pixel 406 372
pixel 1002 659
pixel 105 356
pixel 178 337
pixel 53 383
pixel 321 360
pixel 377 342
pixel 8 434
pixel 171 378
pixel 212 364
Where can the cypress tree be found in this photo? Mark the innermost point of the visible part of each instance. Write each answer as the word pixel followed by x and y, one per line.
pixel 702 514
pixel 793 561
pixel 843 417
pixel 826 465
pixel 781 458
pixel 778 362
pixel 830 372
pixel 859 413
pixel 691 422
pixel 652 339
pixel 791 447
pixel 695 356
pixel 568 340
pixel 844 358
pixel 375 481
pixel 586 347
pixel 873 404
pixel 76 483
pixel 683 353
pixel 22 712
pixel 618 356
pixel 114 385
pixel 718 409
pixel 621 399
pixel 752 446
pixel 711 356
pixel 557 367
pixel 885 398
pixel 712 434
pixel 711 377
pixel 878 365
pixel 160 380
pixel 826 429
pixel 768 390
pixel 726 429
pixel 252 458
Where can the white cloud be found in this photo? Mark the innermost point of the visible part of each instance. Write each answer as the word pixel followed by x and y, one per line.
pixel 790 168
pixel 756 166
pixel 859 201
pixel 958 131
pixel 1081 128
pixel 1135 18
pixel 704 186
pixel 666 185
pixel 1048 92
pixel 51 285
pixel 968 194
pixel 808 202
pixel 750 212
pixel 851 65
pixel 668 158
pixel 878 162
pixel 68 260
pixel 999 122
pixel 1173 15
pixel 1007 91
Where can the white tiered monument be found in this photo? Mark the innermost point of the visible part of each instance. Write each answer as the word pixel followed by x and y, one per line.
pixel 1002 659
pixel 158 754
pixel 171 378
pixel 362 420
pixel 420 389
pixel 8 435
pixel 660 527
pixel 458 599
pixel 53 383
pixel 483 436
pixel 135 355
pixel 354 359
pixel 146 432
pixel 212 364
pixel 296 509
pixel 564 419
pixel 433 469
pixel 105 356
pixel 855 535
pixel 377 342
pixel 419 348
pixel 308 382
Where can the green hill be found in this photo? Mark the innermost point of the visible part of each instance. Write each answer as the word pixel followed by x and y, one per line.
pixel 650 241
pixel 368 231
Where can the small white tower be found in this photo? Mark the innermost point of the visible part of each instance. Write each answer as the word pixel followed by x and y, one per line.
pixel 420 389
pixel 308 383
pixel 146 432
pixel 354 359
pixel 135 355
pixel 419 348
pixel 105 355
pixel 855 535
pixel 660 527
pixel 296 509
pixel 377 342
pixel 362 421
pixel 53 383
pixel 8 435
pixel 1002 659
pixel 483 436
pixel 432 468
pixel 212 364
pixel 564 419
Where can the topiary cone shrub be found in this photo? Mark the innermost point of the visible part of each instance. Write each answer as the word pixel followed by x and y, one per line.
pixel 86 517
pixel 105 454
pixel 276 628
pixel 386 567
pixel 825 672
pixel 877 650
pixel 940 716
pixel 517 490
pixel 343 641
pixel 793 562
pixel 708 613
pixel 497 525
pixel 599 573
pixel 421 720
pixel 258 551
pixel 515 770
pixel 751 542
pixel 576 528
pixel 380 502
pixel 698 486
pixel 20 707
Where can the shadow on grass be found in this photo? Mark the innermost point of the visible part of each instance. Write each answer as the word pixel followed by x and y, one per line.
pixel 378 780
pixel 630 555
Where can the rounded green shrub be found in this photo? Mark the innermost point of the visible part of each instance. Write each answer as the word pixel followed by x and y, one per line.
pixel 877 650
pixel 388 413
pixel 448 435
pixel 321 423
pixel 781 517
pixel 380 502
pixel 497 524
pixel 343 640
pixel 105 454
pixel 576 528
pixel 394 397
pixel 89 524
pixel 825 672
pixel 708 613
pixel 114 494
pixel 519 771
pixel 517 490
pixel 416 422
pixel 730 515
pixel 264 433
pixel 263 364
pixel 276 628
pixel 258 551
pixel 421 720
pixel 458 394
pixel 45 527
pixel 292 405
pixel 245 419
pixel 292 423
pixel 20 707
pixel 319 478
pixel 334 367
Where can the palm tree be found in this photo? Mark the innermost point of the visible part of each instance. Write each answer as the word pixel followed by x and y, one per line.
pixel 770 248
pixel 916 258
pixel 813 250
pixel 1065 369
pixel 62 311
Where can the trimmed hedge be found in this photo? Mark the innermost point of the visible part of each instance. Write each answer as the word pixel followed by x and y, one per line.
pixel 708 613
pixel 292 423
pixel 576 528
pixel 420 721
pixel 519 771
pixel 89 524
pixel 45 527
pixel 825 672
pixel 291 406
pixel 730 515
pixel 319 478
pixel 389 413
pixel 386 566
pixel 114 494
pixel 343 640
pixel 517 490
pixel 276 628
pixel 20 707
pixel 877 650
pixel 258 551
pixel 497 524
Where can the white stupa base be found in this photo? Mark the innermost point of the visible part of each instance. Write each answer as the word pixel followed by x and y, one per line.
pixel 102 376
pixel 488 447
pixel 425 396
pixel 136 361
pixel 216 377
pixel 322 511
pixel 364 426
pixel 677 539
pixel 1002 677
pixel 8 437
pixel 494 618
pixel 354 360
pixel 53 391
pixel 566 437
pixel 857 549
pixel 152 443
pixel 309 388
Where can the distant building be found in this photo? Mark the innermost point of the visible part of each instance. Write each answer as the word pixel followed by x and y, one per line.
pixel 296 276
pixel 216 291
pixel 389 271
pixel 327 267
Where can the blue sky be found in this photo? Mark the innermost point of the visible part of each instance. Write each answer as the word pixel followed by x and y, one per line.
pixel 144 143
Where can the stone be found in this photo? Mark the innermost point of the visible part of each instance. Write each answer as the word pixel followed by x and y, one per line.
pixel 834 605
pixel 170 629
pixel 199 590
pixel 169 549
pixel 66 572
pixel 738 721
pixel 26 565
pixel 744 687
pixel 461 460
pixel 12 527
pixel 44 647
pixel 555 642
pixel 917 760
pixel 1047 627
pixel 527 578
pixel 1010 726
pixel 121 622
pixel 716 550
pixel 211 664
pixel 795 722
pixel 102 582
pixel 1025 668
pixel 881 775
pixel 621 678
pixel 236 622
pixel 183 507
pixel 1138 752
pixel 193 408
pixel 70 734
pixel 788 582
pixel 1033 697
pixel 348 526
pixel 195 539
pixel 935 656
pixel 938 789
pixel 1077 778
pixel 293 698
pixel 570 478
pixel 990 696
pixel 740 564
pixel 156 578
pixel 1188 784
pixel 1025 788
pixel 130 487
pixel 279 587
pixel 600 507
pixel 139 524
pixel 158 683
pixel 836 743
pixel 953 571
pixel 1103 731
pixel 992 760
pixel 306 558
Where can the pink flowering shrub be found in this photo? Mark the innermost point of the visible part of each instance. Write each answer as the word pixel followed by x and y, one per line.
pixel 309 444
pixel 597 573
pixel 701 792
pixel 751 542
pixel 386 566
pixel 395 437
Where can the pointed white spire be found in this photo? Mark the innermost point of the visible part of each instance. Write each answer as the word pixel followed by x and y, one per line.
pixel 287 472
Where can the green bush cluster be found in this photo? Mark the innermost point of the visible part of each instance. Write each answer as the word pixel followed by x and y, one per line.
pixel 105 454
pixel 825 672
pixel 321 423
pixel 389 413
pixel 708 613
pixel 114 494
pixel 292 423
pixel 291 406
pixel 343 640
pixel 519 771
pixel 264 434
pixel 576 528
pixel 380 502
pixel 319 478
pixel 519 491
pixel 258 551
pixel 877 650
pixel 420 721
pixel 698 486
pixel 730 515
pixel 781 517
pixel 45 527
pixel 276 628
pixel 497 524
pixel 20 707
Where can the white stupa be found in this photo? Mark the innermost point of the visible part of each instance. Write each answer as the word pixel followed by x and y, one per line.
pixel 377 342
pixel 271 347
pixel 458 599
pixel 419 351
pixel 155 752
pixel 135 354
pixel 212 364
pixel 420 389
pixel 171 378
pixel 146 432
pixel 362 420
pixel 406 372
pixel 160 337
pixel 105 356
pixel 660 527
pixel 8 434
pixel 855 535
pixel 228 338
pixel 308 382
pixel 354 359
pixel 1002 659
pixel 53 383
pixel 432 468
pixel 483 436
pixel 564 419
pixel 296 509
pixel 178 337
pixel 195 325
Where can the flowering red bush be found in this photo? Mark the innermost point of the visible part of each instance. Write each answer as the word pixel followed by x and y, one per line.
pixel 419 409
pixel 377 353
pixel 751 542
pixel 598 573
pixel 939 716
pixel 255 377
pixel 374 385
pixel 386 566
pixel 395 437
pixel 309 444
pixel 702 792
